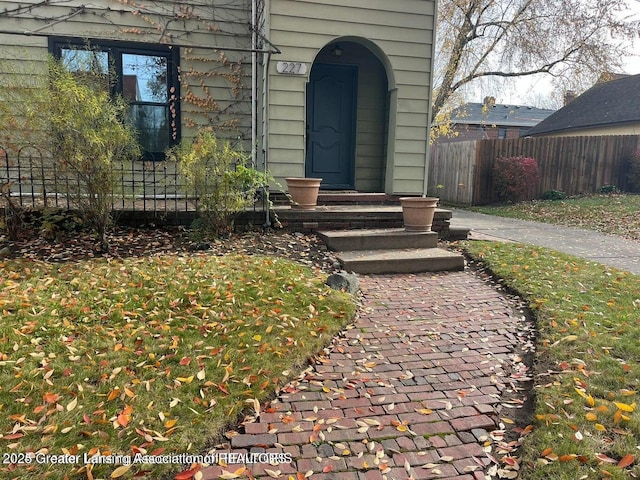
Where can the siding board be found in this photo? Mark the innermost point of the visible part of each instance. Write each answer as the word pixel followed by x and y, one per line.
pixel 202 73
pixel 377 7
pixel 403 31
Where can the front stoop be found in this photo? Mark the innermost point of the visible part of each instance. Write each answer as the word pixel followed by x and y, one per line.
pixel 377 239
pixel 390 250
pixel 401 261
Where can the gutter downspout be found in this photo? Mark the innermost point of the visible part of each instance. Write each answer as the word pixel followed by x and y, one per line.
pixel 265 98
pixel 427 154
pixel 265 126
pixel 254 86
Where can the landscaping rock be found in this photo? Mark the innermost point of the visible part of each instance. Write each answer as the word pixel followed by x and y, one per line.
pixel 343 281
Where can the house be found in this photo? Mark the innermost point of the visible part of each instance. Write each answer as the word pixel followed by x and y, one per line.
pixel 608 108
pixel 316 88
pixel 477 121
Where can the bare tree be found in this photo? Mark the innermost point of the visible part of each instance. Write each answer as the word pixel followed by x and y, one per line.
pixel 574 41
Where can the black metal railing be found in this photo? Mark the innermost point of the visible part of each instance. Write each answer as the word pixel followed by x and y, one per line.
pixel 30 180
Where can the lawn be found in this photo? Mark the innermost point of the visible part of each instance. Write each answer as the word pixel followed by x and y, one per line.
pixel 616 214
pixel 587 373
pixel 147 355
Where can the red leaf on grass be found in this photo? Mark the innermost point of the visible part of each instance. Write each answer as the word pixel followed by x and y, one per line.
pixel 187 474
pixel 626 461
pixel 125 416
pixel 51 397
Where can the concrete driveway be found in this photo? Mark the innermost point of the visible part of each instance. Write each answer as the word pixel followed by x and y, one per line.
pixel 609 250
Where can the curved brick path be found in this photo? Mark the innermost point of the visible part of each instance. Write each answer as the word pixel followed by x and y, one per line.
pixel 411 391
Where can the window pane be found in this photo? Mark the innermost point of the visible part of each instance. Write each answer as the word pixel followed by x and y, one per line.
pixel 84 60
pixel 92 66
pixel 152 125
pixel 144 78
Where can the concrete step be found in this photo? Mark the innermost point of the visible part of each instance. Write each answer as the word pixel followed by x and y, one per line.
pixel 343 217
pixel 377 239
pixel 356 198
pixel 401 261
pixel 458 233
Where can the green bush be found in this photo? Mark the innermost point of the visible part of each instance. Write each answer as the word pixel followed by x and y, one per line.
pixel 89 135
pixel 79 128
pixel 554 195
pixel 219 177
pixel 609 189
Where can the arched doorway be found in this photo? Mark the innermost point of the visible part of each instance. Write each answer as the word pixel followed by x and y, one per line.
pixel 347 117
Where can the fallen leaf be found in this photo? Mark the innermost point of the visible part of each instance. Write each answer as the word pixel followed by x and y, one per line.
pixel 624 407
pixel 604 458
pixel 424 411
pixel 626 461
pixel 51 397
pixel 121 470
pixel 72 404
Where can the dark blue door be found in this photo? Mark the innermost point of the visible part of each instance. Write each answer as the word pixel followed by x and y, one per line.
pixel 331 124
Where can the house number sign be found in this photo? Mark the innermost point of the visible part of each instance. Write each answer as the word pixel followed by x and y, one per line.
pixel 291 68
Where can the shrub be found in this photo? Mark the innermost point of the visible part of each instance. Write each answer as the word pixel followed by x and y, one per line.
pixel 219 177
pixel 12 220
pixel 633 174
pixel 79 129
pixel 515 178
pixel 89 135
pixel 609 189
pixel 554 195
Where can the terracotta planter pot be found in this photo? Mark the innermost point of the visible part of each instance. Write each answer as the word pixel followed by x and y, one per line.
pixel 418 212
pixel 303 192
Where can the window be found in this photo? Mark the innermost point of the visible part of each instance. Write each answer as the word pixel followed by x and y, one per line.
pixel 145 75
pixel 502 132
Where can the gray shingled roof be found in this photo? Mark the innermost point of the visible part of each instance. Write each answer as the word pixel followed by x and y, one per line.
pixel 499 115
pixel 616 102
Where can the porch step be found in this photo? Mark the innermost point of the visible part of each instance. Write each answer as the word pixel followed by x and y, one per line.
pixel 377 239
pixel 401 261
pixel 342 198
pixel 356 198
pixel 347 217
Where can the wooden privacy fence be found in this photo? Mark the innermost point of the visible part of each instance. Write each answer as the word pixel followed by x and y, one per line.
pixel 575 165
pixel 452 167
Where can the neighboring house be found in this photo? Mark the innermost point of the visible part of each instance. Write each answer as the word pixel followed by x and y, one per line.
pixel 317 88
pixel 477 121
pixel 608 108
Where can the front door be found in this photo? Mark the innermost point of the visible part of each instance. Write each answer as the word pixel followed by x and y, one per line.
pixel 331 125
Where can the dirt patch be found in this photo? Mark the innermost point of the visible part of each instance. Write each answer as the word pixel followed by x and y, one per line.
pixel 138 242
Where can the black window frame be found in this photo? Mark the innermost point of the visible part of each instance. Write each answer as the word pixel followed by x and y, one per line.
pixel 115 51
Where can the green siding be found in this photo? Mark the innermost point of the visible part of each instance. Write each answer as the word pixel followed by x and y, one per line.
pixel 203 70
pixel 400 31
pixel 403 31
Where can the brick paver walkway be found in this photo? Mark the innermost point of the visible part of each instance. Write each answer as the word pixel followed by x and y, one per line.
pixel 411 391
